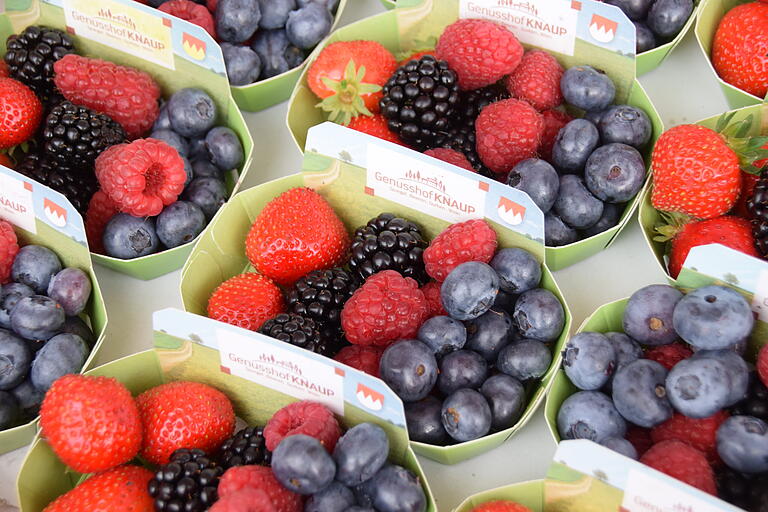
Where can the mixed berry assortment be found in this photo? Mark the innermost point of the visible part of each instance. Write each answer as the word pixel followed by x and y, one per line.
pixel 656 21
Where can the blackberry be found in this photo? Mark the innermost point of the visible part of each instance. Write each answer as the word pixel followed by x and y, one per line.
pixel 187 483
pixel 758 208
pixel 301 331
pixel 30 57
pixel 246 447
pixel 77 185
pixel 388 243
pixel 749 492
pixel 756 401
pixel 419 101
pixel 74 136
pixel 321 295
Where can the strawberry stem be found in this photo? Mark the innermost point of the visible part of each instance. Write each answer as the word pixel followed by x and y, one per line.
pixel 347 101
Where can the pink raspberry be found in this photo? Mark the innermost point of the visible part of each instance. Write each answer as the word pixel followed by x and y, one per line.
pixel 8 248
pixel 473 240
pixel 100 210
pixel 240 479
pixel 682 461
pixel 432 294
pixel 246 500
pixel 191 12
pixel 762 365
pixel 537 80
pixel 451 156
pixel 553 121
pixel 361 357
pixel 507 132
pixel 699 433
pixel 669 355
pixel 305 417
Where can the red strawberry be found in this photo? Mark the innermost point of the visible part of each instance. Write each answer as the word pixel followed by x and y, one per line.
pixel 92 423
pixel 9 247
pixel 553 121
pixel 507 131
pixel 183 415
pixel 246 300
pixel 748 182
pixel 121 489
pixel 537 80
pixel 740 48
pixel 451 156
pixel 296 233
pixel 4 69
pixel 20 113
pixel 501 506
pixel 374 125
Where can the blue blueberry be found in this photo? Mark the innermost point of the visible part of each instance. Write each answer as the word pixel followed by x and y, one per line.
pixel 37 317
pixel 308 25
pixel 425 424
pixel 713 317
pixel 557 233
pixel 576 205
pixel 648 315
pixel 224 148
pixel 395 489
pixel 10 295
pixel 573 144
pixel 203 168
pixel 294 56
pixel 489 333
pixel 196 149
pixel 334 498
pixel 303 465
pixel 667 17
pixel 538 179
pixel 71 288
pixel 188 170
pixel 28 398
pixel 243 64
pixel 360 453
pixel 163 122
pixel 505 301
pixel 589 415
pixel 209 194
pixel 644 38
pixel 9 410
pixel 276 52
pixel 506 397
pixel 466 415
pixel 620 445
pixel 173 139
pixel 76 325
pixel 442 334
pixel 237 20
pixel 639 393
pixel 62 354
pixel 329 4
pixel 524 359
pixel 518 270
pixel 612 213
pixel 589 360
pixel 594 116
pixel 274 13
pixel 742 443
pixel 699 387
pixel 15 360
pixel 626 124
pixel 627 350
pixel 614 173
pixel 634 9
pixel 409 367
pixel 34 266
pixel 179 223
pixel 127 237
pixel 539 315
pixel 461 369
pixel 191 111
pixel 587 88
pixel 357 508
pixel 738 371
pixel 469 290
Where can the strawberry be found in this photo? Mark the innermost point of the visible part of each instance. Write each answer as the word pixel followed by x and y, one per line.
pixel 20 113
pixel 374 125
pixel 348 77
pixel 91 423
pixel 183 415
pixel 246 300
pixel 296 233
pixel 121 489
pixel 4 69
pixel 740 48
pixel 6 161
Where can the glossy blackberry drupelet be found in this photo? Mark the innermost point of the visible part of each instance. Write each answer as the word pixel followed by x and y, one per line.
pixel 301 331
pixel 187 483
pixel 245 448
pixel 78 185
pixel 388 243
pixel 749 492
pixel 420 100
pixel 31 55
pixel 74 136
pixel 757 205
pixel 756 402
pixel 321 295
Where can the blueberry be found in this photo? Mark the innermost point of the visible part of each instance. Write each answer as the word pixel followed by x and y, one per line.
pixel 489 333
pixel 303 465
pixel 395 489
pixel 620 445
pixel 699 387
pixel 191 111
pixel 275 52
pixel 612 213
pixel 37 317
pixel 615 173
pixel 360 453
pixel 224 148
pixel 626 124
pixel 188 171
pixel 15 360
pixel 648 315
pixel 461 369
pixel 128 237
pixel 538 179
pixel 29 399
pixel 173 139
pixel 539 315
pixel 589 360
pixel 71 288
pixel 243 64
pixel 713 317
pixel 634 9
pixel 738 371
pixel 587 88
pixel 469 290
pixel 576 205
pixel 237 20
pixel 506 396
pixel 573 144
pixel 409 368
pixel 359 509
pixel 425 424
pixel 10 295
pixel 294 56
pixel 644 38
pixel 76 325
pixel 466 415
pixel 308 26
pixel 196 149
pixel 594 116
pixel 589 415
pixel 9 410
pixel 274 13
pixel 667 17
pixel 34 266
pixel 334 498
pixel 627 350
pixel 524 360
pixel 203 168
pixel 443 334
pixel 639 393
pixel 505 301
pixel 209 194
pixel 518 270
pixel 163 122
pixel 329 4
pixel 179 223
pixel 742 443
pixel 557 233
pixel 63 354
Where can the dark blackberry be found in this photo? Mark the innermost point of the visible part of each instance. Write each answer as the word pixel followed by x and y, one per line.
pixel 756 401
pixel 74 136
pixel 321 295
pixel 301 331
pixel 187 483
pixel 749 492
pixel 246 447
pixel 757 205
pixel 420 100
pixel 31 54
pixel 77 185
pixel 388 243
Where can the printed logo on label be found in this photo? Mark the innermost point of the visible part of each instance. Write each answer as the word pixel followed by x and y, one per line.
pixel 369 398
pixel 16 204
pixel 56 214
pixel 602 29
pixel 193 46
pixel 645 493
pixel 511 212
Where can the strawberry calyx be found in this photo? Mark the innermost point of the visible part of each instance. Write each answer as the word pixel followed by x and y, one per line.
pixel 347 100
pixel 670 225
pixel 752 150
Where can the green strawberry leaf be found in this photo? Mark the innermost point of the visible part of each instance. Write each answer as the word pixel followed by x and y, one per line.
pixel 347 101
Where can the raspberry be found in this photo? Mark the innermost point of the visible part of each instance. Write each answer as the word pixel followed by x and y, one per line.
pixel 100 210
pixel 537 80
pixel 191 12
pixel 699 433
pixel 127 95
pixel 553 121
pixel 640 438
pixel 473 240
pixel 669 355
pixel 762 362
pixel 212 4
pixel 480 51
pixel 247 301
pixel 247 500
pixel 141 177
pixel 259 478
pixel 387 307
pixel 507 131
pixel 682 461
pixel 361 357
pixel 305 417
pixel 8 248
pixel 431 292
pixel 451 156
pixel 501 506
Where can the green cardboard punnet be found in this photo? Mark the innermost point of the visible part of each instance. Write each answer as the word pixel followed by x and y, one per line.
pixel 176 53
pixel 417 24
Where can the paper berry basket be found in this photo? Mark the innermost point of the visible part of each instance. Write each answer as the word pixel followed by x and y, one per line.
pixel 415 27
pixel 176 53
pixel 193 348
pixel 44 217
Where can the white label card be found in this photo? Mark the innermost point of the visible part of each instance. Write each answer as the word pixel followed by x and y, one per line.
pixel 16 204
pixel 644 493
pixel 760 297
